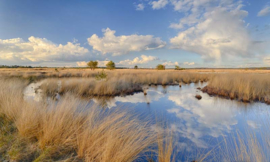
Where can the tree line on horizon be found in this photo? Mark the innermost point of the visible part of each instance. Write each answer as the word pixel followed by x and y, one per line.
pixel 111 65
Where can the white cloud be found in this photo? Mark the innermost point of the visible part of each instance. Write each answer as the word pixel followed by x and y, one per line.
pixel 266 60
pixel 159 4
pixel 82 63
pixel 100 63
pixel 144 59
pixel 170 63
pixel 195 116
pixel 189 63
pixel 265 11
pixel 119 45
pixel 139 7
pixel 39 49
pixel 219 32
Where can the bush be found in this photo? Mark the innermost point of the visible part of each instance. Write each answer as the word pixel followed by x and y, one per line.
pixel 178 68
pixel 160 67
pixel 92 65
pixel 110 65
pixel 135 67
pixel 101 75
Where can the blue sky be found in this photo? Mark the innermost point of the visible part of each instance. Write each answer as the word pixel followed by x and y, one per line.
pixel 188 33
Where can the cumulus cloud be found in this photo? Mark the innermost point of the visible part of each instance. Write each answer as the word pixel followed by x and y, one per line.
pixel 159 4
pixel 265 11
pixel 119 45
pixel 39 49
pixel 84 63
pixel 136 61
pixel 189 63
pixel 170 63
pixel 196 123
pixel 220 31
pixel 139 7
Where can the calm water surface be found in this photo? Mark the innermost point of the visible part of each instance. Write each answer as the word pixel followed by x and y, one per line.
pixel 198 126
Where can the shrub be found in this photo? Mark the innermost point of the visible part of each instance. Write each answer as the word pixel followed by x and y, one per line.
pixel 135 67
pixel 160 67
pixel 92 65
pixel 178 68
pixel 101 75
pixel 110 65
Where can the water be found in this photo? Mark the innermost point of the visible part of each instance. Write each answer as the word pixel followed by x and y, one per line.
pixel 197 125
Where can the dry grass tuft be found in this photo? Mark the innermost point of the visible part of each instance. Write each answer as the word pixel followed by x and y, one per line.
pixel 245 87
pixel 118 83
pixel 69 127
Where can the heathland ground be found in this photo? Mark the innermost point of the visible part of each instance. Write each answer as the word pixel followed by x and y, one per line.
pixel 69 130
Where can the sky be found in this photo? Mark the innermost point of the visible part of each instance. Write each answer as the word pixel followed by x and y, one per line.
pixel 187 33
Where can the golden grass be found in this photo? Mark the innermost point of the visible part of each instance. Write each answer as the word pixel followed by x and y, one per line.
pixel 73 128
pixel 243 147
pixel 69 129
pixel 165 147
pixel 118 83
pixel 243 86
pixel 90 87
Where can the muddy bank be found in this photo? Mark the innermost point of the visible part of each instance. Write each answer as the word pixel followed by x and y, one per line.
pixel 234 95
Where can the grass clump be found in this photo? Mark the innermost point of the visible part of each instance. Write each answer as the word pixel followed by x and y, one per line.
pixel 66 130
pixel 245 87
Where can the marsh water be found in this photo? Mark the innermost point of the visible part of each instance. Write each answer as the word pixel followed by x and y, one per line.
pixel 198 126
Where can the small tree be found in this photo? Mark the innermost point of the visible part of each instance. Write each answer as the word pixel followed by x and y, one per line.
pixel 92 65
pixel 110 65
pixel 160 67
pixel 177 67
pixel 135 67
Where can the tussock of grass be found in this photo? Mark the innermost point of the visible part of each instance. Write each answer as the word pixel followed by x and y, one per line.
pixel 68 127
pixel 165 148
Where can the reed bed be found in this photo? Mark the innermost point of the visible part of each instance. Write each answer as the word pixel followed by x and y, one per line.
pixel 152 76
pixel 90 87
pixel 72 130
pixel 117 83
pixel 245 87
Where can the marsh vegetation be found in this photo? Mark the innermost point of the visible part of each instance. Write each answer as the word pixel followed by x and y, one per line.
pixel 71 129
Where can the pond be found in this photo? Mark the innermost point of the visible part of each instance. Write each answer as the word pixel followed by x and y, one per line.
pixel 198 126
